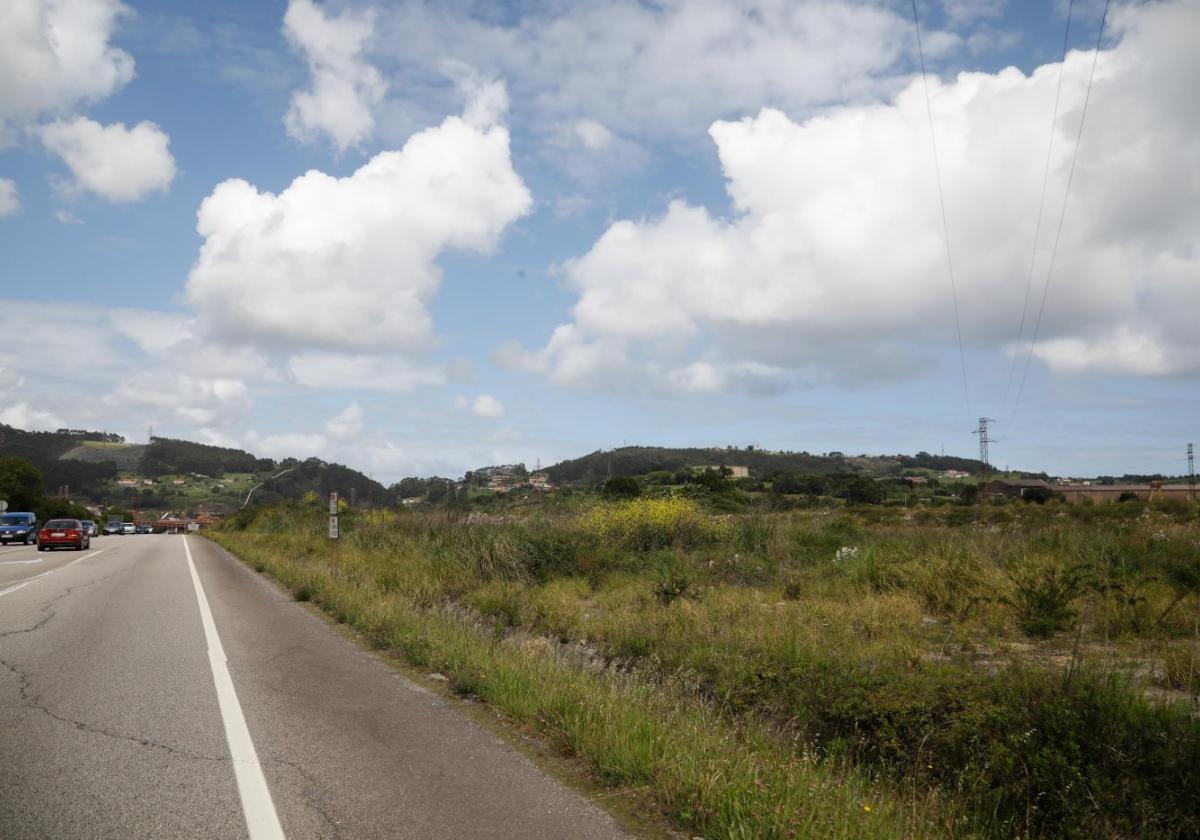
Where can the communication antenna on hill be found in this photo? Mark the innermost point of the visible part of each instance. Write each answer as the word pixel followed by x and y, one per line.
pixel 150 434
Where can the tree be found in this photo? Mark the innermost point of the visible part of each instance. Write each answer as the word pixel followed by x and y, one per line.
pixel 622 487
pixel 411 487
pixel 1040 495
pixel 713 481
pixel 440 490
pixel 55 508
pixel 21 484
pixel 862 491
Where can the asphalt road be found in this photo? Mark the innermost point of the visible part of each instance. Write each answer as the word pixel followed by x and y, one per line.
pixel 156 687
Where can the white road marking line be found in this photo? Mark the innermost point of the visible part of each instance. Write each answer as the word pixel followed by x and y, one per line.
pixel 24 583
pixel 21 562
pixel 261 819
pixel 17 548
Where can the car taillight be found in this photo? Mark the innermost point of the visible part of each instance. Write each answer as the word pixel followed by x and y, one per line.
pixel 73 533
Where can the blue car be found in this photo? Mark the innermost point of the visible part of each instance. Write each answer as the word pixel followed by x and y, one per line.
pixel 18 527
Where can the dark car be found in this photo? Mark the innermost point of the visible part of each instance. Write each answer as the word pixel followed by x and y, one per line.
pixel 18 527
pixel 63 533
pixel 144 529
pixel 93 530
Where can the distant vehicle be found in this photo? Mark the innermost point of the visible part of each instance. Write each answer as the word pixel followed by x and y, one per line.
pixel 144 529
pixel 58 533
pixel 93 530
pixel 128 528
pixel 111 528
pixel 18 527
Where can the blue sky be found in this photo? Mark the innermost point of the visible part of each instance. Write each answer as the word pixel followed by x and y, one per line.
pixel 535 230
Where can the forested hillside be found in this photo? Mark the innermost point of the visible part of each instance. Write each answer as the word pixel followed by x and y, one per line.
pixel 317 476
pixel 166 456
pixel 44 450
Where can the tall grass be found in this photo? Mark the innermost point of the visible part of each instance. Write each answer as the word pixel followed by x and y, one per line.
pixel 990 668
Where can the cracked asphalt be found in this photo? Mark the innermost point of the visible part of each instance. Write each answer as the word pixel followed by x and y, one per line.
pixel 110 726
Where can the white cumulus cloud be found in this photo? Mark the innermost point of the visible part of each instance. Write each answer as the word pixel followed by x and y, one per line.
pixel 833 262
pixel 22 415
pixel 10 200
pixel 364 372
pixel 651 71
pixel 348 264
pixel 592 134
pixel 182 399
pixel 487 407
pixel 118 163
pixel 55 54
pixel 347 425
pixel 345 87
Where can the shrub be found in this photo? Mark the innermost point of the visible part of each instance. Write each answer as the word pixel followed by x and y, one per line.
pixel 1181 667
pixel 1042 599
pixel 650 524
pixel 549 552
pixel 671 586
pixel 622 487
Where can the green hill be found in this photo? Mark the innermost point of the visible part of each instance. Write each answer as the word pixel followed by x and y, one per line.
pixel 127 456
pixel 167 456
pixel 171 474
pixel 45 450
pixel 639 460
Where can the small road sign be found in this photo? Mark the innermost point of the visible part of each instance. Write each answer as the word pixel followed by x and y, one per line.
pixel 333 527
pixel 333 503
pixel 3 505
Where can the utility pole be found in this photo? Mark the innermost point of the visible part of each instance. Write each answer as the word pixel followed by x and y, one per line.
pixel 984 440
pixel 1191 473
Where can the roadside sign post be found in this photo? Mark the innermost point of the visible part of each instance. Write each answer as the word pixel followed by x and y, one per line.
pixel 333 516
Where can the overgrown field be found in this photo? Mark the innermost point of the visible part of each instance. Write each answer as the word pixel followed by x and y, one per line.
pixel 1010 671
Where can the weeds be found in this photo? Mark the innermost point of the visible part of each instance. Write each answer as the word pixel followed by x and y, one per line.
pixel 819 650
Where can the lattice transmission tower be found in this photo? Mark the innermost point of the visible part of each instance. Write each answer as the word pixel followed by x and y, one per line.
pixel 984 440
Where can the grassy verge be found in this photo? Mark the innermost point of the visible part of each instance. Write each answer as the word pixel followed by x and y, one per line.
pixel 706 773
pixel 804 675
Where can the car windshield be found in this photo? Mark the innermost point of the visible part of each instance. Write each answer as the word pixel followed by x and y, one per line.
pixel 87 522
pixel 14 519
pixel 62 523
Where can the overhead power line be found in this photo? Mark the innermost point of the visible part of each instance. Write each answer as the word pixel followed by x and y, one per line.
pixel 1037 324
pixel 1037 228
pixel 937 169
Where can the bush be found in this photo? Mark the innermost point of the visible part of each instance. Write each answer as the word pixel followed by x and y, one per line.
pixel 622 487
pixel 650 524
pixel 1181 667
pixel 549 552
pixel 1043 599
pixel 671 586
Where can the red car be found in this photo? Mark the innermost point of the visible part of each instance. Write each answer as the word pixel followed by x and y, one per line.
pixel 63 532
